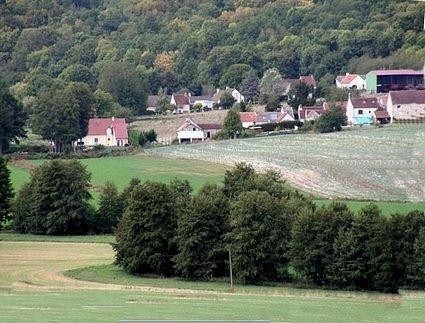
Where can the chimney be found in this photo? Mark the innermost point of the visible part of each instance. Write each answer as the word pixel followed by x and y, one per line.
pixel 113 119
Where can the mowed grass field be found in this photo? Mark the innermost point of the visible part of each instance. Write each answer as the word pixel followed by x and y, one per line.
pixel 33 288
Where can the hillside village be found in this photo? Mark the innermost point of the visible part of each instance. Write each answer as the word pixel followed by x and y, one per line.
pixel 383 97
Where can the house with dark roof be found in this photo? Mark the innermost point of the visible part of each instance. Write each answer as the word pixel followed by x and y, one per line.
pixel 205 100
pixel 107 132
pixel 191 131
pixel 153 101
pixel 384 81
pixel 361 110
pixel 235 94
pixel 406 105
pixel 351 81
pixel 181 101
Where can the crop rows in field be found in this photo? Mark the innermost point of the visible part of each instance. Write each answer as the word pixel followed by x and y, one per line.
pixel 364 163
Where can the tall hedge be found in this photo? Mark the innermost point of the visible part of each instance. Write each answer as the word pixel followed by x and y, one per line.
pixel 6 191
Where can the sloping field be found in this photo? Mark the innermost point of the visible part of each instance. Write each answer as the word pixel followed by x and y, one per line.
pixel 33 289
pixel 367 163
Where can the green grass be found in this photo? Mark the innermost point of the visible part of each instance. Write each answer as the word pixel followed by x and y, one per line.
pixel 19 177
pixel 120 170
pixel 112 306
pixel 387 208
pixel 6 236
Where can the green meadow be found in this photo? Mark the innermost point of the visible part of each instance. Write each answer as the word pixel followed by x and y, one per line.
pixel 120 170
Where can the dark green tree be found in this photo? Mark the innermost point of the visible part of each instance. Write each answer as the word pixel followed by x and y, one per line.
pixel 146 230
pixel 200 236
pixel 6 191
pixel 331 120
pixel 234 75
pixel 77 73
pixel 12 119
pixel 226 100
pixel 232 126
pixel 313 236
pixel 125 84
pixel 259 237
pixel 250 87
pixel 110 209
pixel 55 201
pixel 61 115
pixel 416 266
pixel 301 94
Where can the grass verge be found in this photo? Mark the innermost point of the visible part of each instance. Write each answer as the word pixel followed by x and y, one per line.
pixel 9 236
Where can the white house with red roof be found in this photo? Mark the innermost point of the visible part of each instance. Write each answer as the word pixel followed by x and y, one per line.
pixel 310 113
pixel 107 132
pixel 365 110
pixel 191 131
pixel 406 105
pixel 181 101
pixel 351 81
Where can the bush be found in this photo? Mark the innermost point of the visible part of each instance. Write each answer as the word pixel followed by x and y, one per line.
pixel 55 201
pixel 6 191
pixel 330 121
pixel 416 267
pixel 146 231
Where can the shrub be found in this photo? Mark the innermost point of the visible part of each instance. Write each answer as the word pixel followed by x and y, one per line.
pixel 6 191
pixel 110 209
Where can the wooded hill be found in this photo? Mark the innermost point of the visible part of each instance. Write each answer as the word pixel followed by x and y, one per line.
pixel 178 44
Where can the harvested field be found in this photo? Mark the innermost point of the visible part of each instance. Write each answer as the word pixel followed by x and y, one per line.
pixel 166 126
pixel 381 164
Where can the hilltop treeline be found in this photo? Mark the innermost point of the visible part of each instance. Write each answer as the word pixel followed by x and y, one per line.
pixel 126 49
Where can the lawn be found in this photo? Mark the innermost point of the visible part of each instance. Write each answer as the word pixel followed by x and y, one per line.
pixel 9 236
pixel 369 163
pixel 32 289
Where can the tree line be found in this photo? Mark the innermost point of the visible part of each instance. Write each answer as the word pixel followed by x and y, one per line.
pixel 274 233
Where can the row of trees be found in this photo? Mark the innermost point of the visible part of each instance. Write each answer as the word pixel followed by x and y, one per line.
pixel 273 233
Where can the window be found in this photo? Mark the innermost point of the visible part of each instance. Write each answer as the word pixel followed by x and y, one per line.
pixel 109 139
pixel 194 129
pixel 399 107
pixel 360 111
pixel 96 140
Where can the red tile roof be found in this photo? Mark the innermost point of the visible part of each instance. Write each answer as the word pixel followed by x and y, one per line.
pixel 305 111
pixel 381 114
pixel 248 116
pixel 347 79
pixel 98 127
pixel 365 103
pixel 181 99
pixel 408 97
pixel 308 80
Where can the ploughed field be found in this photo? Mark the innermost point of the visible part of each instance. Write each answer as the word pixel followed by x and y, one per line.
pixel 369 163
pixel 37 285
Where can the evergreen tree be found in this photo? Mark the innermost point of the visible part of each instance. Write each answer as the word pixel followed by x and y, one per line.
pixel 6 191
pixel 110 209
pixel 226 100
pixel 55 201
pixel 313 235
pixel 200 236
pixel 126 193
pixel 259 237
pixel 271 88
pixel 232 126
pixel 146 231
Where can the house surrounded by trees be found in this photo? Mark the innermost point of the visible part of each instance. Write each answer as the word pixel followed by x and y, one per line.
pixel 106 132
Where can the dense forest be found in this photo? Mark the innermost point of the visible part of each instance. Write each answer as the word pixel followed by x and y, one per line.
pixel 126 49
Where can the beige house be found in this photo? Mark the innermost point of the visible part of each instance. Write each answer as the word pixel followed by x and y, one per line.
pixel 191 131
pixel 106 132
pixel 406 105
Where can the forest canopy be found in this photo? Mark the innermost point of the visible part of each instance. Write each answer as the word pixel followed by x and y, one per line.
pixel 185 44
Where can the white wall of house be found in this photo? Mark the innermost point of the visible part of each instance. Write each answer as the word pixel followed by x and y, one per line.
pixel 412 111
pixel 205 103
pixel 104 140
pixel 357 83
pixel 238 96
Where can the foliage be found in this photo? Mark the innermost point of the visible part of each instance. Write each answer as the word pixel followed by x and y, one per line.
pixel 226 100
pixel 260 232
pixel 313 235
pixel 416 268
pixel 200 236
pixel 61 115
pixel 249 87
pixel 55 201
pixel 12 119
pixel 145 233
pixel 331 120
pixel 232 125
pixel 301 94
pixel 6 191
pixel 110 209
pixel 271 88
